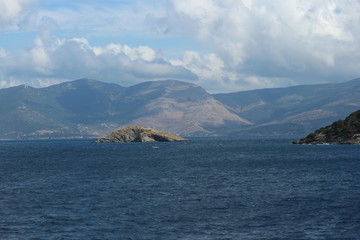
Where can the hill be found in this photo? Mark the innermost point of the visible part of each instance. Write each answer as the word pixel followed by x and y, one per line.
pixel 340 132
pixel 139 134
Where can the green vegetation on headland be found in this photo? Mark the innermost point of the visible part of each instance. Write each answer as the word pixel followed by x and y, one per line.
pixel 340 132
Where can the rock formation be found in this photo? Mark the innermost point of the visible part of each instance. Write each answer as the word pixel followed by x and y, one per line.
pixel 140 134
pixel 340 132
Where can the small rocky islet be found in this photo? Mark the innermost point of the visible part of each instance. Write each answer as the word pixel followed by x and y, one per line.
pixel 340 132
pixel 139 134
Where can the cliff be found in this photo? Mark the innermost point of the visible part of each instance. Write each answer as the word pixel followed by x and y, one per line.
pixel 340 132
pixel 139 134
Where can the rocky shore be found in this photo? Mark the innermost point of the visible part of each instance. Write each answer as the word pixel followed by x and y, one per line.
pixel 323 139
pixel 139 134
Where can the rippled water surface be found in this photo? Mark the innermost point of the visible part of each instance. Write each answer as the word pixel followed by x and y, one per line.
pixel 202 189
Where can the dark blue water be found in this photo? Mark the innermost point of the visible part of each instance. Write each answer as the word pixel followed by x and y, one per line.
pixel 203 189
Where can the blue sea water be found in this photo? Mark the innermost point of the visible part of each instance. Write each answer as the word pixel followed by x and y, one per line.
pixel 202 189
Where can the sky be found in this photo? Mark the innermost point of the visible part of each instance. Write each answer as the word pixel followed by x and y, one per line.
pixel 221 45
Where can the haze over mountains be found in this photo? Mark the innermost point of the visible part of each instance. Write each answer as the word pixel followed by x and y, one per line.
pixel 89 108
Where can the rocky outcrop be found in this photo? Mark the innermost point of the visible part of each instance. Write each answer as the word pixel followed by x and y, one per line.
pixel 139 134
pixel 340 132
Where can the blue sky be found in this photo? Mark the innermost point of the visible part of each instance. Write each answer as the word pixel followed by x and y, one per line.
pixel 223 46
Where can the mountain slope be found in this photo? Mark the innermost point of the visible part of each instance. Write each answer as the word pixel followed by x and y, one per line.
pixel 88 108
pixel 180 107
pixel 294 110
pixel 28 110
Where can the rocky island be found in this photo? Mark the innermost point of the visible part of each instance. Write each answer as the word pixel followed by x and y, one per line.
pixel 340 132
pixel 139 134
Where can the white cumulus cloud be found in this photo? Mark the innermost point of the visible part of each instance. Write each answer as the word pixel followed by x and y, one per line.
pixel 302 41
pixel 222 45
pixel 51 60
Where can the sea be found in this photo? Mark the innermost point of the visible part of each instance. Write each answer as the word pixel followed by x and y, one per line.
pixel 207 188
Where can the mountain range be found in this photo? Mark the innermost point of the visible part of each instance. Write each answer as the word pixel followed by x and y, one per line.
pixel 88 108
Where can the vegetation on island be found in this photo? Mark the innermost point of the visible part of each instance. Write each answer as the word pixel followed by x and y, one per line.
pixel 343 128
pixel 342 131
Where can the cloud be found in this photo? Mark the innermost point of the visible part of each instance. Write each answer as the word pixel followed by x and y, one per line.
pixel 302 41
pixel 209 68
pixel 12 10
pixel 3 52
pixel 225 45
pixel 52 60
pixel 113 18
pixel 214 75
pixel 142 52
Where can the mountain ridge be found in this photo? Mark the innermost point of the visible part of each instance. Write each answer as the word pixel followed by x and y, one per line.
pixel 91 108
pixel 305 107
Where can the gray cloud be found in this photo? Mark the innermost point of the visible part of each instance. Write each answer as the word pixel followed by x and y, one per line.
pixel 296 41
